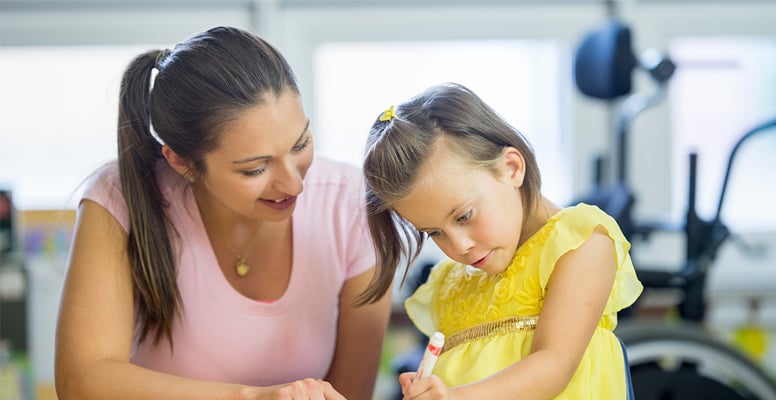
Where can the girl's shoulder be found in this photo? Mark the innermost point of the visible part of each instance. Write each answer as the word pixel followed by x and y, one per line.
pixel 579 221
pixel 573 226
pixel 578 225
pixel 564 230
pixel 568 229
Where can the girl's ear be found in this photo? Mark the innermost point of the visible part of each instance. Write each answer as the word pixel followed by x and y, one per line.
pixel 178 163
pixel 515 166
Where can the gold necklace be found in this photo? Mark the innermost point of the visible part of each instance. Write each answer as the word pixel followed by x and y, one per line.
pixel 241 266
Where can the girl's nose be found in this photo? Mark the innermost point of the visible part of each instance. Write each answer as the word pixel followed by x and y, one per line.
pixel 460 242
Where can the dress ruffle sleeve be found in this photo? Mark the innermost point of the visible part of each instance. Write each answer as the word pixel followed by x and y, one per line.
pixel 420 306
pixel 570 233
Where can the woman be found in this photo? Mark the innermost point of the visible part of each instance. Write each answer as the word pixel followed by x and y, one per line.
pixel 200 269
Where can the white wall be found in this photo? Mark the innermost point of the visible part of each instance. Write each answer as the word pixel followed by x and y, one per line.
pixel 297 27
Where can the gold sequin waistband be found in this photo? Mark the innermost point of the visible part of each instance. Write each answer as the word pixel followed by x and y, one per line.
pixel 492 328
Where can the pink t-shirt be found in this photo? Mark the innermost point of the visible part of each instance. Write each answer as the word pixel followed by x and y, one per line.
pixel 224 336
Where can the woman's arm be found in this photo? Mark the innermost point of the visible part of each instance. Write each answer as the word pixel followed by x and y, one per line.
pixel 577 293
pixel 95 325
pixel 360 336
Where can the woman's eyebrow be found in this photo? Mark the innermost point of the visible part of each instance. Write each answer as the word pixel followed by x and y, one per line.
pixel 251 159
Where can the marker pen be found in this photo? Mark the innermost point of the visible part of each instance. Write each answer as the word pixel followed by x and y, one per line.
pixel 434 348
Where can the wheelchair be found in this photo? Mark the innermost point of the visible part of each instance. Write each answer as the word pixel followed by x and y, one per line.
pixel 668 359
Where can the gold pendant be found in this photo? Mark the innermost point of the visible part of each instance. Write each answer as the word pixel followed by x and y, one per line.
pixel 242 268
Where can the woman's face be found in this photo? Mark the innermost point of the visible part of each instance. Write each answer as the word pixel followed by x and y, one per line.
pixel 264 154
pixel 472 215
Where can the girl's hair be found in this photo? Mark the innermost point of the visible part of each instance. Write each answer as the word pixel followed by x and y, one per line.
pixel 201 84
pixel 398 144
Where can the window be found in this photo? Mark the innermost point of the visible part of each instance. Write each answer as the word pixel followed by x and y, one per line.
pixel 723 87
pixel 526 81
pixel 59 107
pixel 59 104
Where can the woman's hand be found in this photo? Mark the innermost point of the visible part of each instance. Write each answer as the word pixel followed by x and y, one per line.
pixel 306 389
pixel 431 388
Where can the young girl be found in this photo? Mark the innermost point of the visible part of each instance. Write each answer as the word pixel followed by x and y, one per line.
pixel 528 298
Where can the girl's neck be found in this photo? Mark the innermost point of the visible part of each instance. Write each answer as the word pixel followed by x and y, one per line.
pixel 542 212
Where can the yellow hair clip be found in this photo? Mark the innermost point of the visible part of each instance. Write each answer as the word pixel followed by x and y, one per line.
pixel 388 114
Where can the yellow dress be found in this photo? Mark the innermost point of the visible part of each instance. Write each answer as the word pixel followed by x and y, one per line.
pixel 457 297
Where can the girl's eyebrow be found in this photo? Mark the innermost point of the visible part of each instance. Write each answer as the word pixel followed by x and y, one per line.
pixel 451 213
pixel 251 159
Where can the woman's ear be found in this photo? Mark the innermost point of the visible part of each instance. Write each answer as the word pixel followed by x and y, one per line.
pixel 515 166
pixel 179 164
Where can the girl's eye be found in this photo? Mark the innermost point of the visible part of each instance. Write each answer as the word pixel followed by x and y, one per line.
pixel 463 218
pixel 255 172
pixel 302 146
pixel 433 234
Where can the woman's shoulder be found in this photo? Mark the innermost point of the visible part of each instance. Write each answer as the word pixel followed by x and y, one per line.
pixel 333 179
pixel 329 171
pixel 103 187
pixel 104 182
pixel 332 190
pixel 106 172
pixel 107 178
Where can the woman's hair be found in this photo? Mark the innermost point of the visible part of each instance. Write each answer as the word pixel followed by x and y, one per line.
pixel 201 84
pixel 402 140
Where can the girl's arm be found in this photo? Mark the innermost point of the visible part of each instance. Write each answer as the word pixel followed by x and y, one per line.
pixel 95 325
pixel 360 336
pixel 577 293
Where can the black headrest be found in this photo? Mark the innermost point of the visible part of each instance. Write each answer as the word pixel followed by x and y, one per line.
pixel 604 61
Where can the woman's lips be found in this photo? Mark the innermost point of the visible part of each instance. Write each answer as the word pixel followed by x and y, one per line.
pixel 280 204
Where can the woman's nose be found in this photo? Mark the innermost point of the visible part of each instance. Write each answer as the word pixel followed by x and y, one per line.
pixel 288 178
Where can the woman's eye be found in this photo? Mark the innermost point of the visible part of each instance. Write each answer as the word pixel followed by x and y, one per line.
pixel 433 233
pixel 302 146
pixel 255 172
pixel 464 218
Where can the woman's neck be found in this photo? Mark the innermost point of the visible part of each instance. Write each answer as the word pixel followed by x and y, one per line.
pixel 224 223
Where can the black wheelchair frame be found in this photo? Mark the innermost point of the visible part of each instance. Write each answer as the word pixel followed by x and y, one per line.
pixel 668 359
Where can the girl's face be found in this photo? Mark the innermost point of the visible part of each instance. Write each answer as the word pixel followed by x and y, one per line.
pixel 474 216
pixel 264 154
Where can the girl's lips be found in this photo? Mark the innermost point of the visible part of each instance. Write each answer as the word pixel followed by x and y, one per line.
pixel 280 204
pixel 482 261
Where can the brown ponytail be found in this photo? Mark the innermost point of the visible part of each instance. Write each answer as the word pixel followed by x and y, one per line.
pixel 149 248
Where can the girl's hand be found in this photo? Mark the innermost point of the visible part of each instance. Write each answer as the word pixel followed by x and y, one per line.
pixel 431 388
pixel 306 389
